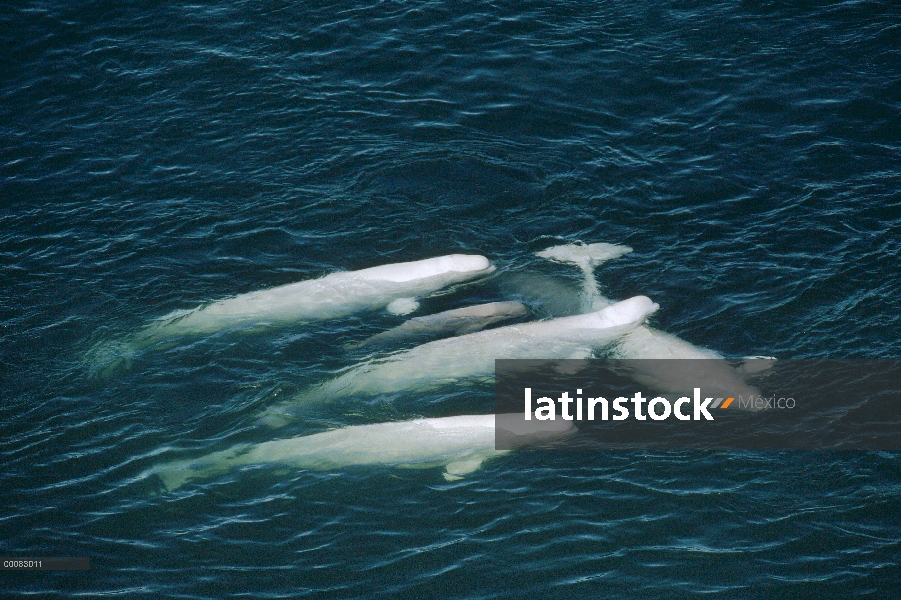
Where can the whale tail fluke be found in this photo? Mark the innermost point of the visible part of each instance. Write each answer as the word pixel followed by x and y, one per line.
pixel 584 255
pixel 587 257
pixel 107 357
pixel 174 476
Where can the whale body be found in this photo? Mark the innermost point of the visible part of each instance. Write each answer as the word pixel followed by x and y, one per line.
pixel 458 321
pixel 649 344
pixel 391 286
pixel 458 359
pixel 459 444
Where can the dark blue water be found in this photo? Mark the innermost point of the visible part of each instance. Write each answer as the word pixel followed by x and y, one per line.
pixel 156 156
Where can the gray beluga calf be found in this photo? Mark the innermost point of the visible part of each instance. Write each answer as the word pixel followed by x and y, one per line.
pixel 458 321
pixel 646 343
pixel 392 286
pixel 471 357
pixel 459 444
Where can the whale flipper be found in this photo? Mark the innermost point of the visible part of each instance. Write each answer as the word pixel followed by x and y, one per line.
pixel 275 417
pixel 456 470
pixel 402 306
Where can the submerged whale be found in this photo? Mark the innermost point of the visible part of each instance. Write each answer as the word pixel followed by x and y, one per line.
pixel 459 444
pixel 472 356
pixel 458 321
pixel 547 296
pixel 392 286
pixel 644 342
pixel 587 257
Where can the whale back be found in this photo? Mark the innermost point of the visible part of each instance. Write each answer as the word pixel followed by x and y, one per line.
pixel 464 264
pixel 491 309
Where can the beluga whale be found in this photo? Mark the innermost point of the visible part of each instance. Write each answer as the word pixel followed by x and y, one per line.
pixel 471 357
pixel 459 444
pixel 649 344
pixel 393 287
pixel 458 321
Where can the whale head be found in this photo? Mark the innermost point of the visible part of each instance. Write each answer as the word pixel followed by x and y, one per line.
pixel 629 311
pixel 462 263
pixel 466 266
pixel 616 318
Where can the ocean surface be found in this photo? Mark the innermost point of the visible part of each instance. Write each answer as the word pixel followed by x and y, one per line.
pixel 156 156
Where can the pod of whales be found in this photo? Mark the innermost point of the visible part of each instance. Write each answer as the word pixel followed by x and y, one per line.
pixel 391 286
pixel 458 321
pixel 459 444
pixel 471 356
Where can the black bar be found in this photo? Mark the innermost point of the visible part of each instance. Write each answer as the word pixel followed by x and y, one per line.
pixel 53 563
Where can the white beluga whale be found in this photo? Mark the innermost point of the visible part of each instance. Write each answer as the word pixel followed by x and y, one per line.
pixel 459 444
pixel 458 321
pixel 471 357
pixel 646 343
pixel 393 287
